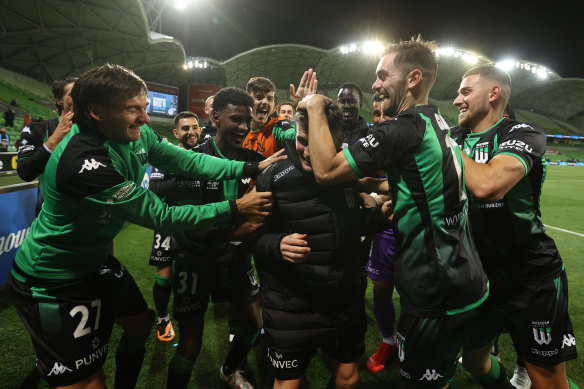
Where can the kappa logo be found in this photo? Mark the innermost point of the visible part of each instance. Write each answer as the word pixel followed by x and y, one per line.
pixel 26 130
pixel 87 165
pixel 430 375
pixel 58 368
pixel 246 181
pixel 521 125
pixel 542 335
pixel 568 341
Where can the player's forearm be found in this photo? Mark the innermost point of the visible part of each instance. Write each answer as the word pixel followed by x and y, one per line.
pixel 31 165
pixel 326 162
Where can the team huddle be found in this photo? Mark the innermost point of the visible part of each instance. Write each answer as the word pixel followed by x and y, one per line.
pixel 314 202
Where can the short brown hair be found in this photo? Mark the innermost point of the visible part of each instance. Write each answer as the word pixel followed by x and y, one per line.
pixel 416 53
pixel 260 84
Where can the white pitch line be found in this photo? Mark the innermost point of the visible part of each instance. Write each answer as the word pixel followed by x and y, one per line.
pixel 563 230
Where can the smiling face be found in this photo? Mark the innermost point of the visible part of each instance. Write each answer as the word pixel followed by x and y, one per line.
pixel 286 111
pixel 264 105
pixel 350 104
pixel 233 124
pixel 472 101
pixel 188 132
pixel 121 121
pixel 391 86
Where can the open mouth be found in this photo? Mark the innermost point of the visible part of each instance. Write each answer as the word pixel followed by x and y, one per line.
pixel 261 113
pixel 462 112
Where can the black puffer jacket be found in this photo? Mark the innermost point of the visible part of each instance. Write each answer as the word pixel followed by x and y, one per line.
pixel 302 302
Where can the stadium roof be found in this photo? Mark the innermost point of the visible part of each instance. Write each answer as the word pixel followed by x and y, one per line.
pixel 51 39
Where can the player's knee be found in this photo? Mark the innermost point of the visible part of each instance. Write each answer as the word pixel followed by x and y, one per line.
pixel 347 377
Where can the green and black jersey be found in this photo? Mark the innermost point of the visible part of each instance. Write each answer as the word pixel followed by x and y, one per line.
pixel 509 233
pixel 210 242
pixel 437 268
pixel 93 185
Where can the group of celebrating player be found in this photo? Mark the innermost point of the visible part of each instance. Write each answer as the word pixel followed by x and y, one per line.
pixel 454 223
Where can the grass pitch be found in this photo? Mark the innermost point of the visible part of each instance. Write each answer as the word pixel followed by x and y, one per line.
pixel 562 207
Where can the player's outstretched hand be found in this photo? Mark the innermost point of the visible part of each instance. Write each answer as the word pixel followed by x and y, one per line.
pixel 255 203
pixel 277 156
pixel 307 86
pixel 294 248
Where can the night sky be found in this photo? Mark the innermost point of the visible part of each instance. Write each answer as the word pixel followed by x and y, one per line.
pixel 552 36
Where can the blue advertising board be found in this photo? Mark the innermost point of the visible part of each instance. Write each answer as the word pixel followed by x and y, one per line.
pixel 17 211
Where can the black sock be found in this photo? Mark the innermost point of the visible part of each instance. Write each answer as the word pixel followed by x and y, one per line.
pixel 128 367
pixel 236 355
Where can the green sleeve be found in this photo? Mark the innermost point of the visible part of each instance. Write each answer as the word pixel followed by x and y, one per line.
pixel 173 159
pixel 140 206
pixel 281 134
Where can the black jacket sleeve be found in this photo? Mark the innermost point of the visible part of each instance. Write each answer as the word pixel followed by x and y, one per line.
pixel 32 155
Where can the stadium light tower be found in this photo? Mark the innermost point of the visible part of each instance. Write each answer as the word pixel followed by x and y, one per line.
pixel 155 8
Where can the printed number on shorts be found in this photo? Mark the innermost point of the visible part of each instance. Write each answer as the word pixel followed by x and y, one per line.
pixel 183 281
pixel 81 329
pixel 165 243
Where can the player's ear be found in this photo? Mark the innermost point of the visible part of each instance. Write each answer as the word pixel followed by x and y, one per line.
pixel 495 93
pixel 95 111
pixel 215 115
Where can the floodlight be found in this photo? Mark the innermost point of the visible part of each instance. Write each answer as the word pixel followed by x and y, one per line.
pixel 180 4
pixel 469 58
pixel 373 47
pixel 447 51
pixel 506 64
pixel 185 66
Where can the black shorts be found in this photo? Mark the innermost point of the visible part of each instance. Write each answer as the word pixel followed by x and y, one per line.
pixel 429 348
pixel 230 277
pixel 164 250
pixel 536 316
pixel 70 321
pixel 344 345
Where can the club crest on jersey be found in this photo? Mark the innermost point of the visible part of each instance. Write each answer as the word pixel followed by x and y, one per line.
pixel 142 157
pixel 90 165
pixel 542 332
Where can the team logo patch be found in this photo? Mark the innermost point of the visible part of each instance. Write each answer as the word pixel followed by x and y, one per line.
pixel 542 332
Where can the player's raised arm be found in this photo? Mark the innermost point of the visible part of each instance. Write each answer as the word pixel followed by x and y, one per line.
pixel 329 166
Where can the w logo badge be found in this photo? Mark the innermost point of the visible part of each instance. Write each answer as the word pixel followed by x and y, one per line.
pixel 542 336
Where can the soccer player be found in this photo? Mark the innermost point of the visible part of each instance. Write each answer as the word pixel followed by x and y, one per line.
pixel 164 250
pixel 529 290
pixel 437 271
pixel 39 139
pixel 286 110
pixel 268 133
pixel 350 100
pixel 312 285
pixel 209 264
pixel 377 110
pixel 209 130
pixel 379 267
pixel 68 289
